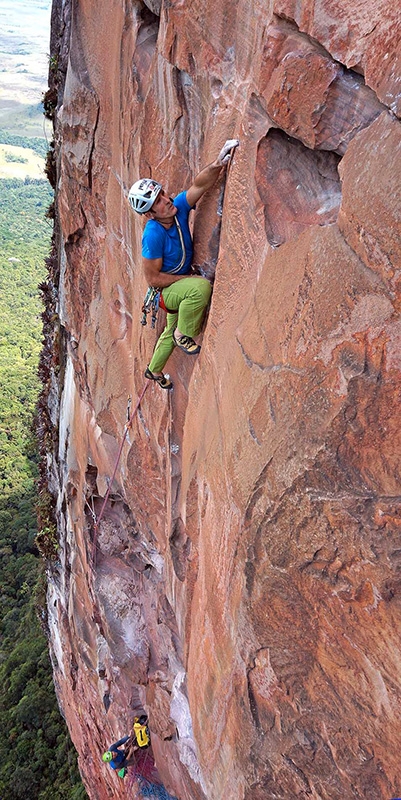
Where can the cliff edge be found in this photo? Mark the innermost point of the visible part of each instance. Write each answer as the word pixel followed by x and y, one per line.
pixel 243 584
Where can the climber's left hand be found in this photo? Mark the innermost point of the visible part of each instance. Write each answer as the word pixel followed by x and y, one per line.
pixel 225 152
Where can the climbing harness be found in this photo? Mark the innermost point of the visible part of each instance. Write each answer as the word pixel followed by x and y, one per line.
pixel 154 298
pixel 106 497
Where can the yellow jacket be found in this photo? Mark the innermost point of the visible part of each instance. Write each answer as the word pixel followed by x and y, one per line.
pixel 142 734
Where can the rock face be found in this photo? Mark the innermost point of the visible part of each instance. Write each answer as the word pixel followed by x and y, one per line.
pixel 243 585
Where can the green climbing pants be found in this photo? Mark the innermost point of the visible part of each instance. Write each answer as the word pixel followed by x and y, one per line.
pixel 186 300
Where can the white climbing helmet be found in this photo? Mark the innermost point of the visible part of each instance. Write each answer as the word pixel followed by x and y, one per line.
pixel 143 193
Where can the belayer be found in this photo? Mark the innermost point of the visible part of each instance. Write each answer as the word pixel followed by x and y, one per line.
pixel 167 252
pixel 141 731
pixel 119 758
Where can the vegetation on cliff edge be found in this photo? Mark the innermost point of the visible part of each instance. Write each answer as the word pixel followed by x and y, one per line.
pixel 37 759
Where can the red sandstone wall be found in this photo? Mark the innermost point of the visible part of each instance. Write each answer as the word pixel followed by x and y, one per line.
pixel 249 560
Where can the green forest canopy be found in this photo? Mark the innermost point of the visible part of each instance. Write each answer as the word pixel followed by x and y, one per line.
pixel 37 759
pixel 34 143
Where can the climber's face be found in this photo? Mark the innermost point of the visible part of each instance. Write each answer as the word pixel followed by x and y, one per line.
pixel 163 208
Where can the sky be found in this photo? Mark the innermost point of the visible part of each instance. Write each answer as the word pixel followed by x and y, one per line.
pixel 24 48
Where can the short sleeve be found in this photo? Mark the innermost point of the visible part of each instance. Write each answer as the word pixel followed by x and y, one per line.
pixel 182 204
pixel 152 241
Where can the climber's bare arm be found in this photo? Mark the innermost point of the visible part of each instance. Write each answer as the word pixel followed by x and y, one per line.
pixel 154 276
pixel 203 181
pixel 208 176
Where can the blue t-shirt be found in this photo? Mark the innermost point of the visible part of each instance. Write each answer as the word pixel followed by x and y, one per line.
pixel 117 762
pixel 159 242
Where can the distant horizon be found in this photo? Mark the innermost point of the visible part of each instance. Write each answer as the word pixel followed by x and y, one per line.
pixel 24 52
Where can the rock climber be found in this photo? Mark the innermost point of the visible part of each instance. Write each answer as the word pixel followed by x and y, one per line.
pixel 120 759
pixel 167 252
pixel 141 731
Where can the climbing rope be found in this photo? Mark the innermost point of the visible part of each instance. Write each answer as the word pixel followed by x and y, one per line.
pixel 154 791
pixel 143 777
pixel 106 497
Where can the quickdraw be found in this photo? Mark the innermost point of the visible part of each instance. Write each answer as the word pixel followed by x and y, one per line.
pixel 151 303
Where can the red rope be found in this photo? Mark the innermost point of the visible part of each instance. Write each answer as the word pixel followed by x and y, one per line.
pixel 106 497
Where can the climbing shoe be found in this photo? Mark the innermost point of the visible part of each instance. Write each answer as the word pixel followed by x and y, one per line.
pixel 164 382
pixel 187 344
